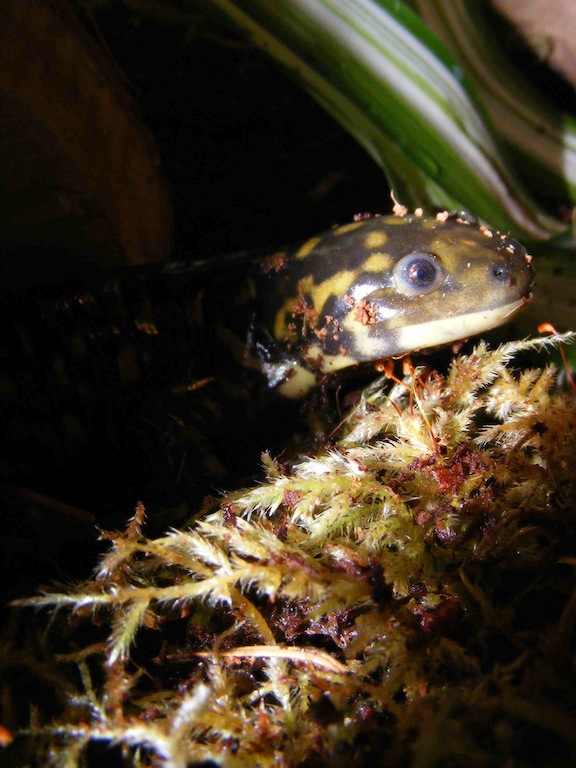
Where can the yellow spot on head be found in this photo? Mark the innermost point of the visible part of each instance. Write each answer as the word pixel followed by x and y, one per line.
pixel 336 285
pixel 398 221
pixel 348 228
pixel 375 240
pixel 377 262
pixel 308 246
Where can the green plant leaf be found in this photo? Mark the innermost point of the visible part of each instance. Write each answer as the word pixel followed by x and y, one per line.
pixel 377 68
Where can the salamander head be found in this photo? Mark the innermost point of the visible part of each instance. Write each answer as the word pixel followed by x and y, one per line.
pixel 392 285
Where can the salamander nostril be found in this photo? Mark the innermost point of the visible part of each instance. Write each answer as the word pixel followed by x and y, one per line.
pixel 501 274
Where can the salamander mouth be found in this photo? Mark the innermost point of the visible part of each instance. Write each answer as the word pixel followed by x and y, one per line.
pixel 435 333
pixel 522 303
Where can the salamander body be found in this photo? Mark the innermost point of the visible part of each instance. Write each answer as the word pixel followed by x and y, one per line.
pixel 118 365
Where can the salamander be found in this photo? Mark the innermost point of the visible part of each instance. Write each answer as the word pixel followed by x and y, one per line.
pixel 384 287
pixel 95 352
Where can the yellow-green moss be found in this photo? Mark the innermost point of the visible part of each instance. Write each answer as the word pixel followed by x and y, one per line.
pixel 404 598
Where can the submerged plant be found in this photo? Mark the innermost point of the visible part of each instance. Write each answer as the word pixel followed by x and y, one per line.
pixel 404 597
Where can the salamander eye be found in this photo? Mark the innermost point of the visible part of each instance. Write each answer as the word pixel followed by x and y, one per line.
pixel 417 274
